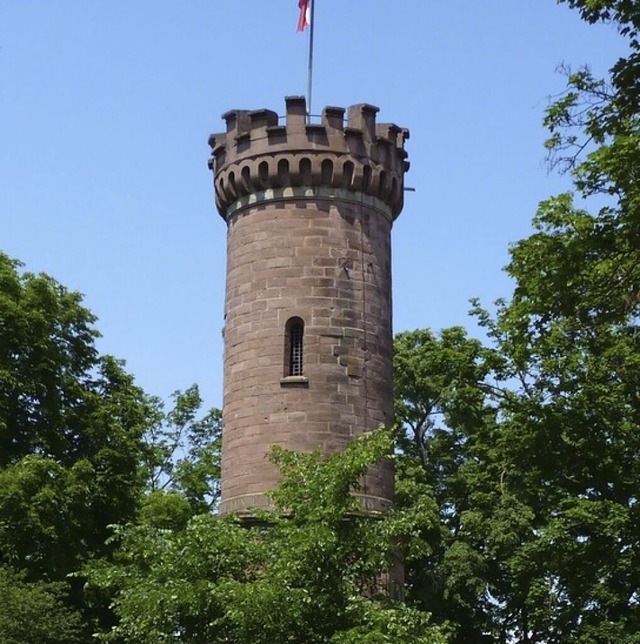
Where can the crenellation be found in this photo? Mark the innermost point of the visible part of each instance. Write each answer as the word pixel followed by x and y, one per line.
pixel 259 119
pixel 257 155
pixel 333 118
pixel 317 132
pixel 296 111
pixel 388 132
pixel 237 121
pixel 363 117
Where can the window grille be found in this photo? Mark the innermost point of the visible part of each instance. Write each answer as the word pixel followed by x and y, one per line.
pixel 295 362
pixel 294 354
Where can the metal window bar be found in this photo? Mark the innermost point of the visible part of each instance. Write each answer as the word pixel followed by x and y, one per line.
pixel 295 354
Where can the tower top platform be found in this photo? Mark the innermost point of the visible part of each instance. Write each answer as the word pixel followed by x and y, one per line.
pixel 259 158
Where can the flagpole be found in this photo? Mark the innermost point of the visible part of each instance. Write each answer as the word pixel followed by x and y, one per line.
pixel 310 74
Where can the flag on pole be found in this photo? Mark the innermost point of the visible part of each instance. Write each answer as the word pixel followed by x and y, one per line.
pixel 305 14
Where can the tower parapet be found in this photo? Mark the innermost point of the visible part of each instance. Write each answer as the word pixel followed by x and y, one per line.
pixel 257 159
pixel 308 338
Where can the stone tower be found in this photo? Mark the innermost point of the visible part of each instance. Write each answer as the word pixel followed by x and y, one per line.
pixel 308 340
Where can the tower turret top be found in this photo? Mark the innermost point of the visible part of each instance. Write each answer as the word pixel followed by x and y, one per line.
pixel 259 158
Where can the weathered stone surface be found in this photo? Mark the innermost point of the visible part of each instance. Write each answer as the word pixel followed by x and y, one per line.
pixel 309 211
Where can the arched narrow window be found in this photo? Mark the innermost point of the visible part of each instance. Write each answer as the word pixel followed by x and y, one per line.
pixel 326 171
pixel 294 347
pixel 246 178
pixel 347 174
pixel 382 186
pixel 263 174
pixel 305 171
pixel 283 173
pixel 366 176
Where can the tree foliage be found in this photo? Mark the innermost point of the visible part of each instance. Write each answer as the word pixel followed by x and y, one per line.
pixel 532 446
pixel 183 461
pixel 36 612
pixel 447 414
pixel 71 429
pixel 571 331
pixel 307 572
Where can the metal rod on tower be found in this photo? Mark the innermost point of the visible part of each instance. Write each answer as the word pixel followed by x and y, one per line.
pixel 312 23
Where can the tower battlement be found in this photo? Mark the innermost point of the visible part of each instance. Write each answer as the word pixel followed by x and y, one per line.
pixel 258 159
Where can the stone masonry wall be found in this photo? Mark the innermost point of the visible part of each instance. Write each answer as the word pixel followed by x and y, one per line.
pixel 318 252
pixel 330 266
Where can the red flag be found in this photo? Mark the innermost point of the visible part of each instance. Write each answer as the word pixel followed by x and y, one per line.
pixel 305 19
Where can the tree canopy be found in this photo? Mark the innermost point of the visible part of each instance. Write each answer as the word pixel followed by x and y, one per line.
pixel 531 445
pixel 71 434
pixel 308 571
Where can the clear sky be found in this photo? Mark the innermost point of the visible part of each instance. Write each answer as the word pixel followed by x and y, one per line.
pixel 106 107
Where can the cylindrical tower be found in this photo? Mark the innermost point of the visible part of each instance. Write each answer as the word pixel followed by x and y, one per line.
pixel 308 339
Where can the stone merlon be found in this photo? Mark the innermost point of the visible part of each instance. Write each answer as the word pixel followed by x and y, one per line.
pixel 258 153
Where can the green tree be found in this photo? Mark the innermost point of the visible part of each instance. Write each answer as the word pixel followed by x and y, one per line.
pixel 537 490
pixel 570 439
pixel 183 462
pixel 71 431
pixel 447 399
pixel 307 572
pixel 36 612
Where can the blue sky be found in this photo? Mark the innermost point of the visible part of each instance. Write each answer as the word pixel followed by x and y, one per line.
pixel 106 107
